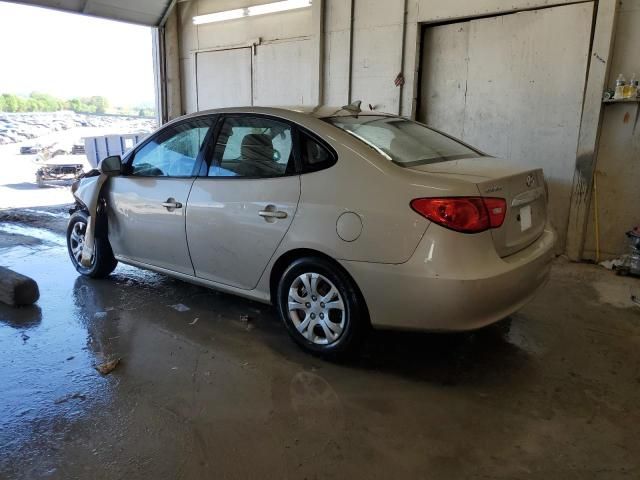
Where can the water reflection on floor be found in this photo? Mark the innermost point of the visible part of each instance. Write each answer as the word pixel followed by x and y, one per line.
pixel 552 393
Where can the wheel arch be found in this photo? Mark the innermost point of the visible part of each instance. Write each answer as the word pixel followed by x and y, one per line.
pixel 291 256
pixel 102 224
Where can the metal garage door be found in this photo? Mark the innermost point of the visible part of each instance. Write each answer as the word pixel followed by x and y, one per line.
pixel 223 78
pixel 278 73
pixel 283 73
pixel 513 86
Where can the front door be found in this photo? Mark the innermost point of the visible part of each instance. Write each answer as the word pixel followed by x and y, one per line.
pixel 238 214
pixel 148 202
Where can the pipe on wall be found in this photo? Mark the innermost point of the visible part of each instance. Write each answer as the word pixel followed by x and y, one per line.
pixel 319 24
pixel 350 75
pixel 402 48
pixel 159 74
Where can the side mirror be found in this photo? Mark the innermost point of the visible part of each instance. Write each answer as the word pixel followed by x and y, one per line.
pixel 111 166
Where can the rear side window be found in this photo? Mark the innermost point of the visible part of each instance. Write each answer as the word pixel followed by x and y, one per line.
pixel 254 147
pixel 315 156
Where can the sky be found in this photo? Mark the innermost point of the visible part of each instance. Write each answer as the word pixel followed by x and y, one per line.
pixel 69 55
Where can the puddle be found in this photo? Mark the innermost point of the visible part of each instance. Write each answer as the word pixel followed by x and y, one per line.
pixel 38 233
pixel 47 369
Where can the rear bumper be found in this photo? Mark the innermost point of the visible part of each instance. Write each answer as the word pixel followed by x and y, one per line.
pixel 453 282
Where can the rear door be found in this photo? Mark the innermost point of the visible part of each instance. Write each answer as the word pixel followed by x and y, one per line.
pixel 148 202
pixel 239 212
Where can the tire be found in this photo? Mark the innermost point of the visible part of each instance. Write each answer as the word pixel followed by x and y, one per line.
pixel 39 180
pixel 103 262
pixel 335 333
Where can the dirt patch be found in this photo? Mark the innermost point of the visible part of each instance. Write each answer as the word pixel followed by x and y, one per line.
pixel 12 239
pixel 51 218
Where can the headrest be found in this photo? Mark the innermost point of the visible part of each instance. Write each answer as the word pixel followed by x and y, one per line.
pixel 257 146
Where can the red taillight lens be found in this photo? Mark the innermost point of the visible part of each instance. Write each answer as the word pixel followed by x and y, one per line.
pixel 497 208
pixel 463 214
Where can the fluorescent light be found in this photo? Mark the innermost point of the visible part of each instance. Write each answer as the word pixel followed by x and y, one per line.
pixel 274 7
pixel 278 6
pixel 219 17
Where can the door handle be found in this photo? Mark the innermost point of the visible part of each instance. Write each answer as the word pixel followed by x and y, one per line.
pixel 171 204
pixel 270 213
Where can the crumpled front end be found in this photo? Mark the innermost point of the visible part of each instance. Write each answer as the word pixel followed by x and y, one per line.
pixel 87 191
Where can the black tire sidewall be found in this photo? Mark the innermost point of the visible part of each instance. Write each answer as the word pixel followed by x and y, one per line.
pixel 355 313
pixel 103 263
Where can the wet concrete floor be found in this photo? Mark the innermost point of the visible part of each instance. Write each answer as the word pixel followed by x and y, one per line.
pixel 552 393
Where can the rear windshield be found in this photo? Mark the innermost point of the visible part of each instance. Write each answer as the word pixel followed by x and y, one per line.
pixel 403 141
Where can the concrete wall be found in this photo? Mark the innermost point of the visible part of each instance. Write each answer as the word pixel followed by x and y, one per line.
pixel 618 160
pixel 172 67
pixel 361 56
pixel 370 46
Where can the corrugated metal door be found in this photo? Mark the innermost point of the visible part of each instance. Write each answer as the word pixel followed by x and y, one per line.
pixel 513 86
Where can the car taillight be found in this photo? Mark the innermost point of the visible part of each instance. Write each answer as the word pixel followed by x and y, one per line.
pixel 497 208
pixel 463 214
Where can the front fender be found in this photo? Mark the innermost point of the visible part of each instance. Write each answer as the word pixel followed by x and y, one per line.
pixel 88 188
pixel 87 193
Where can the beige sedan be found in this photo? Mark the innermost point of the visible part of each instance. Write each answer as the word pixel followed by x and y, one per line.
pixel 343 220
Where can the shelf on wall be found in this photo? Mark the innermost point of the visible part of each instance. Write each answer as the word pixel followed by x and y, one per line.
pixel 622 100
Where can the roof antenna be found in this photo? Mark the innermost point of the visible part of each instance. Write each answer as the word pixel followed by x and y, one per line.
pixel 353 107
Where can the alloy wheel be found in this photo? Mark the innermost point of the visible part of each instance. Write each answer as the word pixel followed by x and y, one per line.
pixel 76 241
pixel 317 309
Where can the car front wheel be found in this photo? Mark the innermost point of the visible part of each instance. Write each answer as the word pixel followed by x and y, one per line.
pixel 102 263
pixel 321 307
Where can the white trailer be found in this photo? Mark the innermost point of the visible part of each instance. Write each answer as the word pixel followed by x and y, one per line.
pixel 99 148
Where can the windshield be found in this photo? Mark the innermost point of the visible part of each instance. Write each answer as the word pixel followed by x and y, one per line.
pixel 404 142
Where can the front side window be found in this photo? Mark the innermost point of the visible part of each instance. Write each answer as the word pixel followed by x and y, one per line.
pixel 404 142
pixel 253 147
pixel 172 152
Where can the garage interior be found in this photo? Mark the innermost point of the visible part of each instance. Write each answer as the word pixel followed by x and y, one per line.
pixel 217 390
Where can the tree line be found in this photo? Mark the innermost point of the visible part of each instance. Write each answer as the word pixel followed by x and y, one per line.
pixel 42 102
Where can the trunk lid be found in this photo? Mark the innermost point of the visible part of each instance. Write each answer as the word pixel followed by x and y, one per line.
pixel 523 189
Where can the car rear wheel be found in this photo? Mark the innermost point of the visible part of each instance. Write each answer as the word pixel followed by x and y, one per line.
pixel 103 261
pixel 322 308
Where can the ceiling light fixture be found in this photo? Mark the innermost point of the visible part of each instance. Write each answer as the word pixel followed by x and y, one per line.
pixel 255 10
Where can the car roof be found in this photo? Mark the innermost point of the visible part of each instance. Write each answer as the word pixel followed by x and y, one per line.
pixel 320 112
